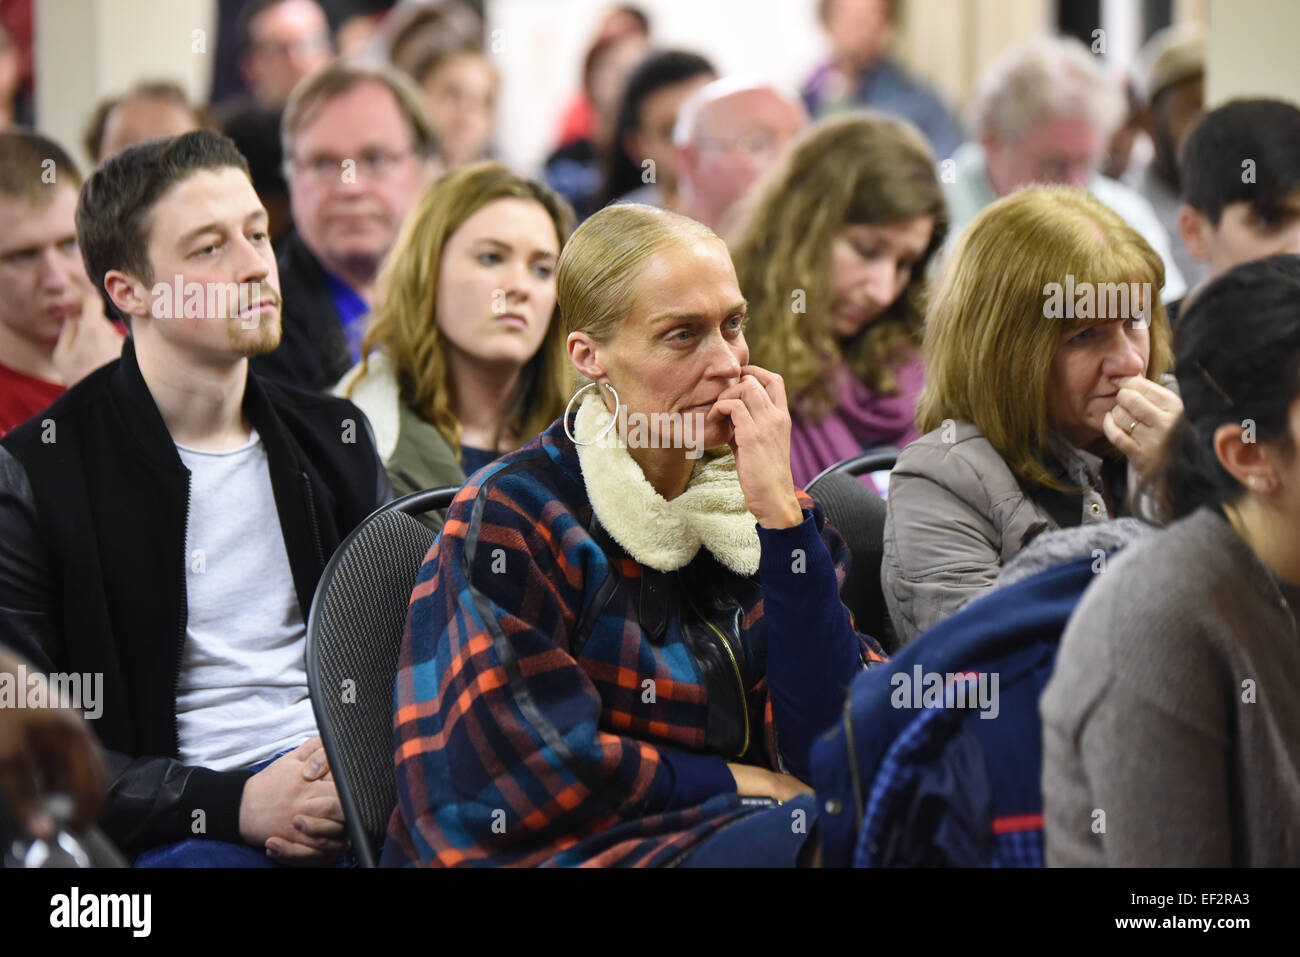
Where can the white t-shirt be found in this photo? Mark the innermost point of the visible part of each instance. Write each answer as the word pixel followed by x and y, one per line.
pixel 242 694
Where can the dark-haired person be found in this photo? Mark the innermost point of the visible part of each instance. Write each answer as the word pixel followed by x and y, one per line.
pixel 277 44
pixel 1037 414
pixel 850 219
pixel 642 159
pixel 861 73
pixel 255 129
pixel 580 116
pixel 414 30
pixel 52 326
pixel 1171 723
pixel 166 521
pixel 1241 185
pixel 358 152
pixel 576 169
pixel 441 47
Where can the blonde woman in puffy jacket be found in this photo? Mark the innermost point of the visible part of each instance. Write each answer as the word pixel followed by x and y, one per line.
pixel 1042 408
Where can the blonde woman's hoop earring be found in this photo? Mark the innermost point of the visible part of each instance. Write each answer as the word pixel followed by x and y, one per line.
pixel 565 421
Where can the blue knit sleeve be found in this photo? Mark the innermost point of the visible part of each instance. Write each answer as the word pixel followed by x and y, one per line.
pixel 813 651
pixel 692 780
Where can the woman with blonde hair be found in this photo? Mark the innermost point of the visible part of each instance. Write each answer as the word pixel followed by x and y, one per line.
pixel 832 257
pixel 464 359
pixel 1041 408
pixel 624 642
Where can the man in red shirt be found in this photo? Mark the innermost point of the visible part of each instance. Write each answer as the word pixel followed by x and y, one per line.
pixel 52 326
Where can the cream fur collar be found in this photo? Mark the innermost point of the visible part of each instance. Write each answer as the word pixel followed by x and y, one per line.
pixel 661 534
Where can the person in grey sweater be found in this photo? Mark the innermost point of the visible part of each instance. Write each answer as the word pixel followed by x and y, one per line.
pixel 1171 724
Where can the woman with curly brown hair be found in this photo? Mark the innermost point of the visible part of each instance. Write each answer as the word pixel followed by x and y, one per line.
pixel 832 257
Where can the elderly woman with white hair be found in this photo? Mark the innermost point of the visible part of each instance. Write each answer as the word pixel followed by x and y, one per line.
pixel 628 635
pixel 1043 114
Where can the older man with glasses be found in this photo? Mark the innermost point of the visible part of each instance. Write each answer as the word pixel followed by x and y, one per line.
pixel 728 133
pixel 1043 114
pixel 358 153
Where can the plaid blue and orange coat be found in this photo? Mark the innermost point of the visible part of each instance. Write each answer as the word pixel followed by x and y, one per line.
pixel 538 719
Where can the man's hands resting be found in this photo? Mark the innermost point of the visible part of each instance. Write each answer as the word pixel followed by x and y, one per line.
pixel 292 809
pixel 760 782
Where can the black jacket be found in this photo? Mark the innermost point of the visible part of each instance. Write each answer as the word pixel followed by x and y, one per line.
pixel 94 502
pixel 313 351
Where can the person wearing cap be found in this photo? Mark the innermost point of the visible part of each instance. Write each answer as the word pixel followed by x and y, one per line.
pixel 1171 73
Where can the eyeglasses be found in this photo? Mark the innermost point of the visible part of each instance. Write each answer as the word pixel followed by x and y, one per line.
pixel 306 46
pixel 757 143
pixel 373 164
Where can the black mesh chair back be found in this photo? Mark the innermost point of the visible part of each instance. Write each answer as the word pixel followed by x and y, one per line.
pixel 858 514
pixel 873 460
pixel 354 634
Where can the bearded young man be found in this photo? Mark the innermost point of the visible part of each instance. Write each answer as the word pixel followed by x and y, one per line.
pixel 165 523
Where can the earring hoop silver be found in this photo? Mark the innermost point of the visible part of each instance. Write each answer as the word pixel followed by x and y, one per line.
pixel 612 422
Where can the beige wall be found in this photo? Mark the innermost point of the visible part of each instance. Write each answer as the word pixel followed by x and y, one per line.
pixel 946 42
pixel 88 49
pixel 1252 50
pixel 539 46
pixel 950 42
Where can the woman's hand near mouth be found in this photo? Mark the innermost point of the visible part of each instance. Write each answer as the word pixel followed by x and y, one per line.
pixel 760 420
pixel 1143 415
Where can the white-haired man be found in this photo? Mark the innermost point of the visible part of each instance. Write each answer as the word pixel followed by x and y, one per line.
pixel 727 135
pixel 1043 114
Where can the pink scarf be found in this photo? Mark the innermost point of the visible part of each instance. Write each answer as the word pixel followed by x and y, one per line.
pixel 862 419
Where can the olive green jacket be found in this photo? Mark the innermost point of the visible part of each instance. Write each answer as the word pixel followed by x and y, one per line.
pixel 415 454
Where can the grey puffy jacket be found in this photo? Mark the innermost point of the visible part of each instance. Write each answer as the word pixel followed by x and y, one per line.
pixel 956 515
